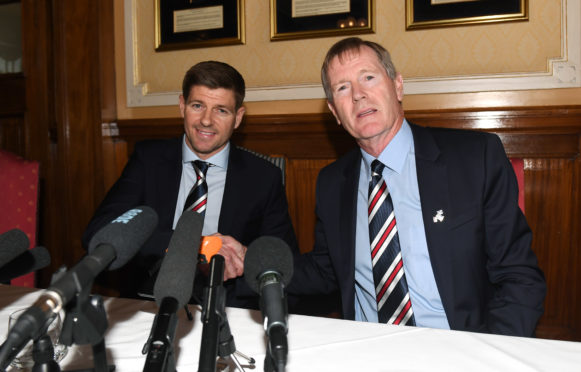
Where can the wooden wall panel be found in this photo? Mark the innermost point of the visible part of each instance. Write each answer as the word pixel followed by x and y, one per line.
pixel 12 107
pixel 301 176
pixel 548 139
pixel 552 206
pixel 68 83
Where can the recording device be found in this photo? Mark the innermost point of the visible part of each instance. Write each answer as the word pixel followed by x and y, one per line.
pixel 12 243
pixel 268 267
pixel 28 261
pixel 172 290
pixel 111 247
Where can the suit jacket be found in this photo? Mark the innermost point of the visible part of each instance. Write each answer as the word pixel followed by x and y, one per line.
pixel 254 204
pixel 485 270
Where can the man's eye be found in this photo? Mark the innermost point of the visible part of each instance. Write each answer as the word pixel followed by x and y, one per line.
pixel 369 77
pixel 341 87
pixel 196 106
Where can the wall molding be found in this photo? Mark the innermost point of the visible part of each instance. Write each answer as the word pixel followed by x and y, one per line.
pixel 562 72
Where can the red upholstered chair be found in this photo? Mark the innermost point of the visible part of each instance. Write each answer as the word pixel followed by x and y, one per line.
pixel 19 201
pixel 518 166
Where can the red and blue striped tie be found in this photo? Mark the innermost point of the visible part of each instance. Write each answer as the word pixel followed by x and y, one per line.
pixel 198 195
pixel 393 299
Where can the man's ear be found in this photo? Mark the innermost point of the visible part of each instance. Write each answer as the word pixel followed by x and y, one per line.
pixel 332 108
pixel 239 115
pixel 398 83
pixel 182 105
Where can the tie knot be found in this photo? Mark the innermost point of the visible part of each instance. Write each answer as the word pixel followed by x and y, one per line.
pixel 376 168
pixel 201 166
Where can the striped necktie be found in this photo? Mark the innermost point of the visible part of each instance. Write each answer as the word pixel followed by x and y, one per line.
pixel 393 300
pixel 198 195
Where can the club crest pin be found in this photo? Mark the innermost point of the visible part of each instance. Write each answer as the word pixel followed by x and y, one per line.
pixel 439 217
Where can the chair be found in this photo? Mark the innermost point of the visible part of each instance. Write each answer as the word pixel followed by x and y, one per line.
pixel 278 160
pixel 19 201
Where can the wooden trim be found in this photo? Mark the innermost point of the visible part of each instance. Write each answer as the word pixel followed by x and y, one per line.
pixel 531 132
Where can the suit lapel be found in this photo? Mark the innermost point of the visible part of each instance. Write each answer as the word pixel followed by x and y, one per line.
pixel 226 220
pixel 434 197
pixel 347 223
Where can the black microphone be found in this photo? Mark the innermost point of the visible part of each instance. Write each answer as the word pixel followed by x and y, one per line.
pixel 112 247
pixel 213 308
pixel 173 289
pixel 268 267
pixel 27 262
pixel 12 243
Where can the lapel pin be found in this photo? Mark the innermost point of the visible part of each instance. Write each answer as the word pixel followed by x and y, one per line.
pixel 439 217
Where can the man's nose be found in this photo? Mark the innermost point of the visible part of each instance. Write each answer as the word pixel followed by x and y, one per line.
pixel 358 93
pixel 206 119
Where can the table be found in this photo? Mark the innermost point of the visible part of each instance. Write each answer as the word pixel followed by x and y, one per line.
pixel 316 344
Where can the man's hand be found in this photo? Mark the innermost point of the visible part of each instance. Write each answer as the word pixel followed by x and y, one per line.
pixel 233 253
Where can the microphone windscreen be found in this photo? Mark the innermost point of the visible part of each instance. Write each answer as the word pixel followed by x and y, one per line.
pixel 27 262
pixel 178 268
pixel 126 234
pixel 12 243
pixel 267 253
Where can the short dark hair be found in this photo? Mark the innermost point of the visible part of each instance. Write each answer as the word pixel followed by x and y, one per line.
pixel 351 44
pixel 214 75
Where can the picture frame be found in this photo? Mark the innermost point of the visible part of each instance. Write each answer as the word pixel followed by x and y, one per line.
pixel 421 14
pixel 302 19
pixel 188 24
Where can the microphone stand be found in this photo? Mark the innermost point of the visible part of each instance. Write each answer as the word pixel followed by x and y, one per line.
pixel 43 355
pixel 9 351
pixel 85 323
pixel 217 340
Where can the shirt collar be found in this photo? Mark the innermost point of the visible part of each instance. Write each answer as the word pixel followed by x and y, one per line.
pixel 218 160
pixel 395 153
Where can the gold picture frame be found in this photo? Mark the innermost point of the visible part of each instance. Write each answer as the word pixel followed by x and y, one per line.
pixel 302 19
pixel 183 24
pixel 421 14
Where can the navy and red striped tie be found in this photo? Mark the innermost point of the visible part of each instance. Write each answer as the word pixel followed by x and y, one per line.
pixel 393 300
pixel 198 195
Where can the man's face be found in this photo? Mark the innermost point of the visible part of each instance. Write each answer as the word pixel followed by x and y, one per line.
pixel 210 117
pixel 365 100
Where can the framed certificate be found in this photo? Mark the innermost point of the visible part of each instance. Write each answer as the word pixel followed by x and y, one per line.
pixel 300 19
pixel 185 24
pixel 443 13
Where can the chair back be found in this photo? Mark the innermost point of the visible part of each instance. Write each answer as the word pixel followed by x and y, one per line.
pixel 19 201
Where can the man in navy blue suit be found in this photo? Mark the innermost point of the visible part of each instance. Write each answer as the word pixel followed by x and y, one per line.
pixel 465 244
pixel 246 198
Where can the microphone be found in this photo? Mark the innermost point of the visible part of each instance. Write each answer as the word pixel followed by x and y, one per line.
pixel 212 311
pixel 268 267
pixel 27 262
pixel 112 247
pixel 12 243
pixel 173 289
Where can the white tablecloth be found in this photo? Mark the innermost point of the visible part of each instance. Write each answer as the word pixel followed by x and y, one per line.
pixel 316 344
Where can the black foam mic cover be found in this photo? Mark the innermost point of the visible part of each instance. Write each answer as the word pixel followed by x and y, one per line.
pixel 178 269
pixel 267 253
pixel 29 261
pixel 126 234
pixel 12 244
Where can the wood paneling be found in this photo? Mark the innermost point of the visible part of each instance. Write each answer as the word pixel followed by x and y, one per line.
pixel 548 139
pixel 68 85
pixel 12 106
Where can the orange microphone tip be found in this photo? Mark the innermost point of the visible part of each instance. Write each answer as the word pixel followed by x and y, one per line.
pixel 209 246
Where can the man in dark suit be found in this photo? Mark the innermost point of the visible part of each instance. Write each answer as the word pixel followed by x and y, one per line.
pixel 453 248
pixel 245 198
